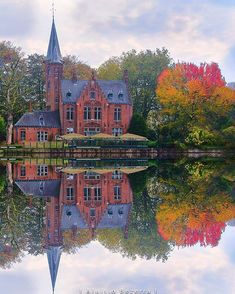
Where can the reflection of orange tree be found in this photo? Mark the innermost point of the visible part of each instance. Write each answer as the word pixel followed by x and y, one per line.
pixel 196 218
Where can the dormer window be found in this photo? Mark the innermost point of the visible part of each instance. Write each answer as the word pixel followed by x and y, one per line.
pixel 68 94
pixel 120 95
pixel 68 213
pixel 120 211
pixel 110 211
pixel 92 95
pixel 110 95
pixel 41 120
pixel 41 187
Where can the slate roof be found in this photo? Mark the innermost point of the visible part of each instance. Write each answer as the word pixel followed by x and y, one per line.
pixel 116 219
pixel 47 188
pixel 53 52
pixel 107 87
pixel 51 119
pixel 74 88
pixel 71 216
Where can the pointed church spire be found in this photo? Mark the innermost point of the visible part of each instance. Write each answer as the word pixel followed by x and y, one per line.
pixel 53 52
pixel 53 256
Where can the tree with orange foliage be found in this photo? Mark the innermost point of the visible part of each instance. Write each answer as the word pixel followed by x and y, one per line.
pixel 193 95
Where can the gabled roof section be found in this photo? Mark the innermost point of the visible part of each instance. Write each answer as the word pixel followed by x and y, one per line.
pixel 115 91
pixel 53 52
pixel 53 256
pixel 48 119
pixel 118 89
pixel 48 188
pixel 71 217
pixel 115 216
pixel 71 91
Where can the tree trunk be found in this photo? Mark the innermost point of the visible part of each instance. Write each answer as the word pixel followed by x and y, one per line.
pixel 9 128
pixel 9 179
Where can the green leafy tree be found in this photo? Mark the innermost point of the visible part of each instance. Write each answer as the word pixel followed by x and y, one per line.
pixel 35 80
pixel 138 125
pixel 13 90
pixel 143 67
pixel 2 128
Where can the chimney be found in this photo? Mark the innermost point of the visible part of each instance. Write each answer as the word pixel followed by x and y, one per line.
pixel 74 76
pixel 30 106
pixel 126 76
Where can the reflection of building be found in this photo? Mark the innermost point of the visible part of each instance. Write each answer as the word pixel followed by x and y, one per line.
pixel 83 200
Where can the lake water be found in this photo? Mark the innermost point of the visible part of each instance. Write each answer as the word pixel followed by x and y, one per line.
pixel 164 226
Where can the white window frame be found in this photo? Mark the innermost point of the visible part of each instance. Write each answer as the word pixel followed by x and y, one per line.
pixel 42 136
pixel 42 170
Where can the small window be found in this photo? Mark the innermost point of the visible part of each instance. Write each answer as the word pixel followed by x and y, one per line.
pixel 42 136
pixel 70 130
pixel 117 175
pixel 22 135
pixel 110 95
pixel 117 114
pixel 117 132
pixel 87 193
pixel 97 113
pixel 70 194
pixel 22 171
pixel 91 175
pixel 42 170
pixel 97 191
pixel 70 113
pixel 120 211
pixel 69 94
pixel 92 212
pixel 41 120
pixel 68 213
pixel 92 95
pixel 87 112
pixel 110 211
pixel 41 187
pixel 120 96
pixel 56 99
pixel 117 192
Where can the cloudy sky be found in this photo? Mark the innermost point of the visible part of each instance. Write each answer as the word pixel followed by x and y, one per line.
pixel 192 30
pixel 188 270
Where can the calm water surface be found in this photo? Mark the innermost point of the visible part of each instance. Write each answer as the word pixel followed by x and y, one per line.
pixel 153 227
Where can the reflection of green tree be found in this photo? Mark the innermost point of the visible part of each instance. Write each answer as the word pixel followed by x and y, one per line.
pixel 143 239
pixel 20 225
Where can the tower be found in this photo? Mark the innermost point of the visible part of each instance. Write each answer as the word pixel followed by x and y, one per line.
pixel 54 71
pixel 54 241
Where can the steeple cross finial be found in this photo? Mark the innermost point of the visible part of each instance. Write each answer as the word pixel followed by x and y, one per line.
pixel 53 9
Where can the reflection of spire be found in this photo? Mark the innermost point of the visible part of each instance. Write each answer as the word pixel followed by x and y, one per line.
pixel 53 256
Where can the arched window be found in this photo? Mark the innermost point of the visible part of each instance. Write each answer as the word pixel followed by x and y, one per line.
pixel 70 113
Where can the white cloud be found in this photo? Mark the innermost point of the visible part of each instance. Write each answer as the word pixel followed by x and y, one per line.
pixel 192 30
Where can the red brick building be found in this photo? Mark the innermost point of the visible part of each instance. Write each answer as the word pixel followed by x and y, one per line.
pixel 82 201
pixel 85 107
